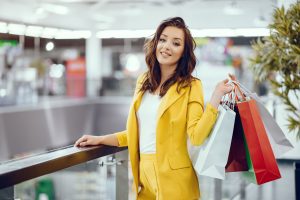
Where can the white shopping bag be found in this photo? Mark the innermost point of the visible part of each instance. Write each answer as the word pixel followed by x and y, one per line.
pixel 280 144
pixel 211 158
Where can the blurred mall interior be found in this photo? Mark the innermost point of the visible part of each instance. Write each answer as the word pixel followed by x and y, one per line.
pixel 69 67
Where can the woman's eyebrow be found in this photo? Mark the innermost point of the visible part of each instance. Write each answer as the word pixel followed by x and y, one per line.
pixel 178 39
pixel 174 38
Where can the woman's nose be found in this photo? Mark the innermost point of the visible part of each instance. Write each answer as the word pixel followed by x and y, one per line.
pixel 167 45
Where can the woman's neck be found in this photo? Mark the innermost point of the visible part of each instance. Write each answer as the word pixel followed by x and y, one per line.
pixel 166 73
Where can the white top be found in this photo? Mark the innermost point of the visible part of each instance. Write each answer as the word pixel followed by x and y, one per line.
pixel 147 117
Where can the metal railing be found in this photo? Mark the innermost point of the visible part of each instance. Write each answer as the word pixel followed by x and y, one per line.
pixel 15 171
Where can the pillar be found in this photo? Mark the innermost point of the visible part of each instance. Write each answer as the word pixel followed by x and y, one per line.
pixel 93 65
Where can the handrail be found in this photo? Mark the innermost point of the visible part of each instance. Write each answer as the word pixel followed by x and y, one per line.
pixel 23 169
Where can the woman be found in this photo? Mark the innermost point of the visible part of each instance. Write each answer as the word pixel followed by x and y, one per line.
pixel 167 108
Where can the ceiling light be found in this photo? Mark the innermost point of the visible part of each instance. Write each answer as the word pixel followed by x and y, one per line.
pixel 3 27
pixel 252 32
pixel 68 34
pixel 16 29
pixel 63 34
pixel 49 32
pixel 34 31
pixel 125 33
pixel 49 46
pixel 243 32
pixel 222 32
pixel 82 34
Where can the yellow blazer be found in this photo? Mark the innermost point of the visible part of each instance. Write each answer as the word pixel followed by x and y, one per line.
pixel 179 115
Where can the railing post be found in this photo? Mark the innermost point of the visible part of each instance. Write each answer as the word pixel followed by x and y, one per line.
pixel 297 180
pixel 7 193
pixel 122 188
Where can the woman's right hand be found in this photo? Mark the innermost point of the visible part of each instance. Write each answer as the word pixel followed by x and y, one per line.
pixel 88 140
pixel 221 89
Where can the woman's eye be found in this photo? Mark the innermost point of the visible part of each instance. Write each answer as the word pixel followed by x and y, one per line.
pixel 162 40
pixel 176 44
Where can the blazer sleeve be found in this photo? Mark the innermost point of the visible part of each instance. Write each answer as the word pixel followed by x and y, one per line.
pixel 199 121
pixel 122 136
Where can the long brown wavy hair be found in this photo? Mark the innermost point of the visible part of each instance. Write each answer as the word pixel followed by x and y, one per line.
pixel 185 65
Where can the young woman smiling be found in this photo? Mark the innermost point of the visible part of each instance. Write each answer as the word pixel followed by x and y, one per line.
pixel 168 106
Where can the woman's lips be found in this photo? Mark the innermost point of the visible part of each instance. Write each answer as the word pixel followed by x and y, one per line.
pixel 165 54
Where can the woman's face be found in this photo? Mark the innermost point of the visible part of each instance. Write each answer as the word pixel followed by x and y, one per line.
pixel 170 47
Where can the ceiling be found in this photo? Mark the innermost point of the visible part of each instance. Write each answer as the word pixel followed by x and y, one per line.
pixel 98 15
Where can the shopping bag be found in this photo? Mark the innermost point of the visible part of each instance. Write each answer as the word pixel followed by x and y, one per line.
pixel 261 154
pixel 250 173
pixel 280 144
pixel 213 154
pixel 237 155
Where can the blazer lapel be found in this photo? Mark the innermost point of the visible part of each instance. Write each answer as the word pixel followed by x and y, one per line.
pixel 137 100
pixel 170 97
pixel 133 137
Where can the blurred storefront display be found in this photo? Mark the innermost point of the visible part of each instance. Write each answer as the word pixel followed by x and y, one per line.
pixel 76 77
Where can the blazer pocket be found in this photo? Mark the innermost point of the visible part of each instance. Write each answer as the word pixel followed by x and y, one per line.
pixel 179 161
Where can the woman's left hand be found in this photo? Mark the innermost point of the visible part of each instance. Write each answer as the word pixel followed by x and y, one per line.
pixel 221 89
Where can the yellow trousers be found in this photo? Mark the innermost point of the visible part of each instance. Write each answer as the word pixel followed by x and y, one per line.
pixel 148 178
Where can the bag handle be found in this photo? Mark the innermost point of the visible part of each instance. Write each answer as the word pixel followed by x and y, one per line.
pixel 231 99
pixel 238 90
pixel 242 87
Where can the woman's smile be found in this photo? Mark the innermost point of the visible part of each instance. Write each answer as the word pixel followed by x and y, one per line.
pixel 165 54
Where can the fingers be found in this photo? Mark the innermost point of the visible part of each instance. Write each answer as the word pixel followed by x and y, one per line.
pixel 225 80
pixel 82 141
pixel 232 77
pixel 83 144
pixel 227 84
pixel 229 88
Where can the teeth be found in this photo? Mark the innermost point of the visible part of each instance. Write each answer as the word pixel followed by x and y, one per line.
pixel 165 54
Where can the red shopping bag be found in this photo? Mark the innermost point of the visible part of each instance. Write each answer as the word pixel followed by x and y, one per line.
pixel 237 160
pixel 261 154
